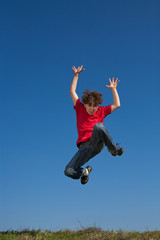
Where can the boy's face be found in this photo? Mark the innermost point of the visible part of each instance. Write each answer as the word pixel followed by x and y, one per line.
pixel 91 108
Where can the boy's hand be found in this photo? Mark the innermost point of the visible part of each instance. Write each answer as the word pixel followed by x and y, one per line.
pixel 116 101
pixel 78 70
pixel 113 84
pixel 73 86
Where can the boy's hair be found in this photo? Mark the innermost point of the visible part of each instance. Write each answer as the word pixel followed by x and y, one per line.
pixel 92 96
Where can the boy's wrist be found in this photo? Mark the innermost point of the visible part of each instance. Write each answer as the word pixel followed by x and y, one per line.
pixel 114 89
pixel 76 74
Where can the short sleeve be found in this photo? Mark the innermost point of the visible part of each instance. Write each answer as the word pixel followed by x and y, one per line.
pixel 78 104
pixel 106 110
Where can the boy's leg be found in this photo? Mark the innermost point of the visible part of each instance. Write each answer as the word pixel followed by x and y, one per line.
pixel 100 138
pixel 85 153
pixel 100 133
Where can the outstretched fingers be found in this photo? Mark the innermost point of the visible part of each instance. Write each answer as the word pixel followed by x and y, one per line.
pixel 78 70
pixel 117 81
pixel 73 68
pixel 113 83
pixel 109 82
pixel 81 68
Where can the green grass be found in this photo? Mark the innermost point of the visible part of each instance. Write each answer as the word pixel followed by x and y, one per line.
pixel 84 234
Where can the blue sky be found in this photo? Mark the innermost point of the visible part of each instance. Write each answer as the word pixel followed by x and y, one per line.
pixel 40 42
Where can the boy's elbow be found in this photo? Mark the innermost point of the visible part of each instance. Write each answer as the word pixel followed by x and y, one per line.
pixel 71 90
pixel 117 106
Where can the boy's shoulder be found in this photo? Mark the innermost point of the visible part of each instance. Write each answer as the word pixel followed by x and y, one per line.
pixel 78 104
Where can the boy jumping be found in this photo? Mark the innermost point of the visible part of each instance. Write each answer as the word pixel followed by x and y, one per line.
pixel 92 134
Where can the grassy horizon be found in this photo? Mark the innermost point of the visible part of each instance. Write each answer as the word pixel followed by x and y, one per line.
pixel 91 233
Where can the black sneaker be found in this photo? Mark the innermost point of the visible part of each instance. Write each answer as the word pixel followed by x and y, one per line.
pixel 85 179
pixel 118 152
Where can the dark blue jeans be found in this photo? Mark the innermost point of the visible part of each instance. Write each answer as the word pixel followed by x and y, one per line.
pixel 87 150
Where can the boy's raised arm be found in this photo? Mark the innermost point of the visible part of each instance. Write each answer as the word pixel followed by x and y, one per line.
pixel 116 100
pixel 73 86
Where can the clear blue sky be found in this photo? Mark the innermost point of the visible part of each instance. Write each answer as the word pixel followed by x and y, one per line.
pixel 40 41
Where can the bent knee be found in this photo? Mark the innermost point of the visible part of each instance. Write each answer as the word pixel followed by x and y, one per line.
pixel 70 172
pixel 67 172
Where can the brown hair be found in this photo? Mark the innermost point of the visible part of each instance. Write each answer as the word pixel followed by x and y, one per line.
pixel 92 96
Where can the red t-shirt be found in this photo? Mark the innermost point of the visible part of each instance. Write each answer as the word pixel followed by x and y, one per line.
pixel 86 122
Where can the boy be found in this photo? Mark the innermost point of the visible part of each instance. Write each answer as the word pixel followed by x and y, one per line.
pixel 92 134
